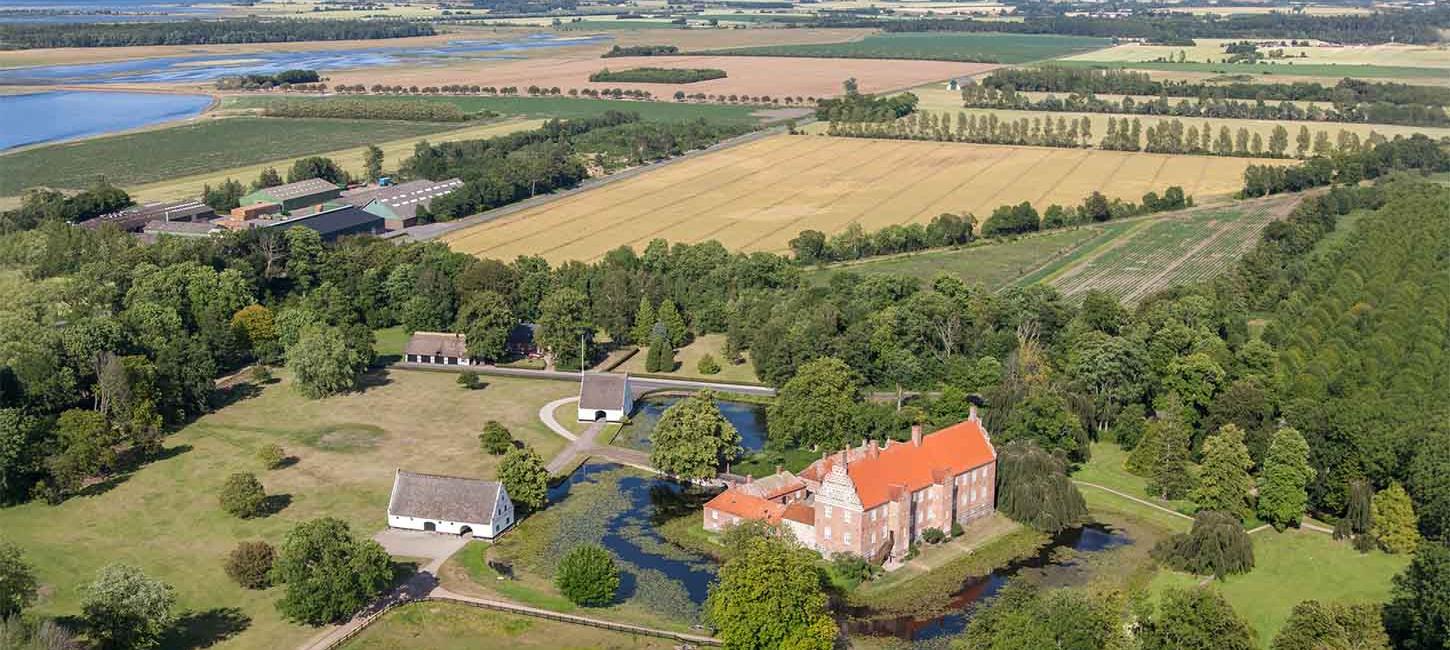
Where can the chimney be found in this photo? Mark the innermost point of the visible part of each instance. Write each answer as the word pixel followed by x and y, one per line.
pixel 916 435
pixel 779 469
pixel 749 478
pixel 972 414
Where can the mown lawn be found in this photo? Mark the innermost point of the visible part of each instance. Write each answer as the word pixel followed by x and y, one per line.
pixel 939 46
pixel 1105 468
pixel 164 517
pixel 450 626
pixel 547 107
pixel 1294 566
pixel 687 361
pixel 196 148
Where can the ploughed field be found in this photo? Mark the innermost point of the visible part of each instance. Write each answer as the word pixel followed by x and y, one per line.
pixel 759 196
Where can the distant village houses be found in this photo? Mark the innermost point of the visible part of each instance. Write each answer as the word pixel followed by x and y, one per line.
pixel 874 500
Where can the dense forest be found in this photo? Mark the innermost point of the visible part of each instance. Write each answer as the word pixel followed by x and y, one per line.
pixel 19 36
pixel 852 106
pixel 657 75
pixel 640 50
pixel 1410 26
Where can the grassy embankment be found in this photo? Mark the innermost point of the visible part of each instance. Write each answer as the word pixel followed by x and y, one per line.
pixel 449 626
pixel 164 517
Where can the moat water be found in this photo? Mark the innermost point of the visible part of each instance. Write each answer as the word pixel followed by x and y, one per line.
pixel 748 419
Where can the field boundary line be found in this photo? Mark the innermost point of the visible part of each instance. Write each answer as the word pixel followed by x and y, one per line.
pixel 503 211
pixel 1087 153
pixel 1072 270
pixel 991 165
pixel 1065 258
pixel 941 147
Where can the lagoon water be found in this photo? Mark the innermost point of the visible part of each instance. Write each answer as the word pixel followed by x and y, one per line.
pixel 202 68
pixel 64 115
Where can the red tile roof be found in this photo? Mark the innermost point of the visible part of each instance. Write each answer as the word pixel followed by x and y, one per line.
pixel 948 452
pixel 801 512
pixel 746 506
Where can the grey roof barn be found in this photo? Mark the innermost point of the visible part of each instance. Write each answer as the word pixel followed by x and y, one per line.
pixel 437 344
pixel 604 391
pixel 443 498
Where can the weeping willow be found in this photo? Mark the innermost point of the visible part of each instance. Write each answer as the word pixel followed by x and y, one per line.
pixel 1217 545
pixel 1033 488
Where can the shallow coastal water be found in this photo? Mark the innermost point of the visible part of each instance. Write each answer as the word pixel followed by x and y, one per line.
pixel 35 118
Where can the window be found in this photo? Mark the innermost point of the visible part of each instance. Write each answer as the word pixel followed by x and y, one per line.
pixel 715 514
pixel 828 512
pixel 873 538
pixel 828 532
pixel 846 514
pixel 873 515
pixel 848 537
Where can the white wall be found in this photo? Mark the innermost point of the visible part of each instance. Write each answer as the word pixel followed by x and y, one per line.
pixel 446 527
pixel 611 415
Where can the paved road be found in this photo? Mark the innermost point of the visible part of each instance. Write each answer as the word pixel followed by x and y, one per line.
pixel 586 444
pixel 640 384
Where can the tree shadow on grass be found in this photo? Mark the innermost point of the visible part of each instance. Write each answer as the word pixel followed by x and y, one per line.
pixel 205 629
pixel 127 463
pixel 374 379
pixel 224 397
pixel 275 503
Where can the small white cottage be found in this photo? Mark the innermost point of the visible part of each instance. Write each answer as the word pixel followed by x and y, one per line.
pixel 449 504
pixel 438 348
pixel 604 396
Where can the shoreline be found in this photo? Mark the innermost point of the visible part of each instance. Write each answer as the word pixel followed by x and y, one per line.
pixel 211 107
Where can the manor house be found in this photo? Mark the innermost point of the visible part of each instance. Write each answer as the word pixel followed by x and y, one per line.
pixel 873 500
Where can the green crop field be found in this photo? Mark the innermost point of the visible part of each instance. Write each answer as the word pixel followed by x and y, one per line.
pixel 209 145
pixel 1159 253
pixel 994 265
pixel 1302 69
pixel 985 47
pixel 1129 259
pixel 560 107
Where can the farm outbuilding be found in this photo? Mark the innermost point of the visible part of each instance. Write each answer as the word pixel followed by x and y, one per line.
pixel 438 348
pixel 604 396
pixel 136 218
pixel 398 204
pixel 333 223
pixel 291 196
pixel 449 504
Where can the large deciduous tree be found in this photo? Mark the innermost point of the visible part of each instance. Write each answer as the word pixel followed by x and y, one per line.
pixel 1314 625
pixel 329 573
pixel 485 318
pixel 124 608
pixel 692 439
pixel 563 321
pixel 1418 614
pixel 588 576
pixel 1394 520
pixel 1195 619
pixel 1284 482
pixel 18 586
pixel 1217 545
pixel 525 477
pixel 817 406
pixel 769 595
pixel 1025 617
pixel 323 363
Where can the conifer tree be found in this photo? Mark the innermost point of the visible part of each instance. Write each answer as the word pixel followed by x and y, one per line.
pixel 1283 484
pixel 1224 483
pixel 1394 520
pixel 674 323
pixel 644 321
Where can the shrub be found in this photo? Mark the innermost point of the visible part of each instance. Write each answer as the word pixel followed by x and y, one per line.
pixel 1216 545
pixel 250 564
pixel 708 365
pixel 588 576
pixel 261 374
pixel 468 379
pixel 272 456
pixel 242 495
pixel 495 439
pixel 933 536
pixel 852 569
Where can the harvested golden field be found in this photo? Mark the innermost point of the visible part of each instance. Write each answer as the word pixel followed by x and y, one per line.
pixel 1212 49
pixel 759 196
pixel 773 76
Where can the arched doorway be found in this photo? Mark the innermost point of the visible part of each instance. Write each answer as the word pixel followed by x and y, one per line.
pixel 599 415
pixel 430 526
pixel 465 531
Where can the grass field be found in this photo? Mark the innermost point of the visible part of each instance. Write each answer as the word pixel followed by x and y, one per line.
pixel 942 46
pixel 1212 49
pixel 688 357
pixel 1294 566
pixel 760 195
pixel 450 626
pixel 202 146
pixel 164 516
pixel 547 107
